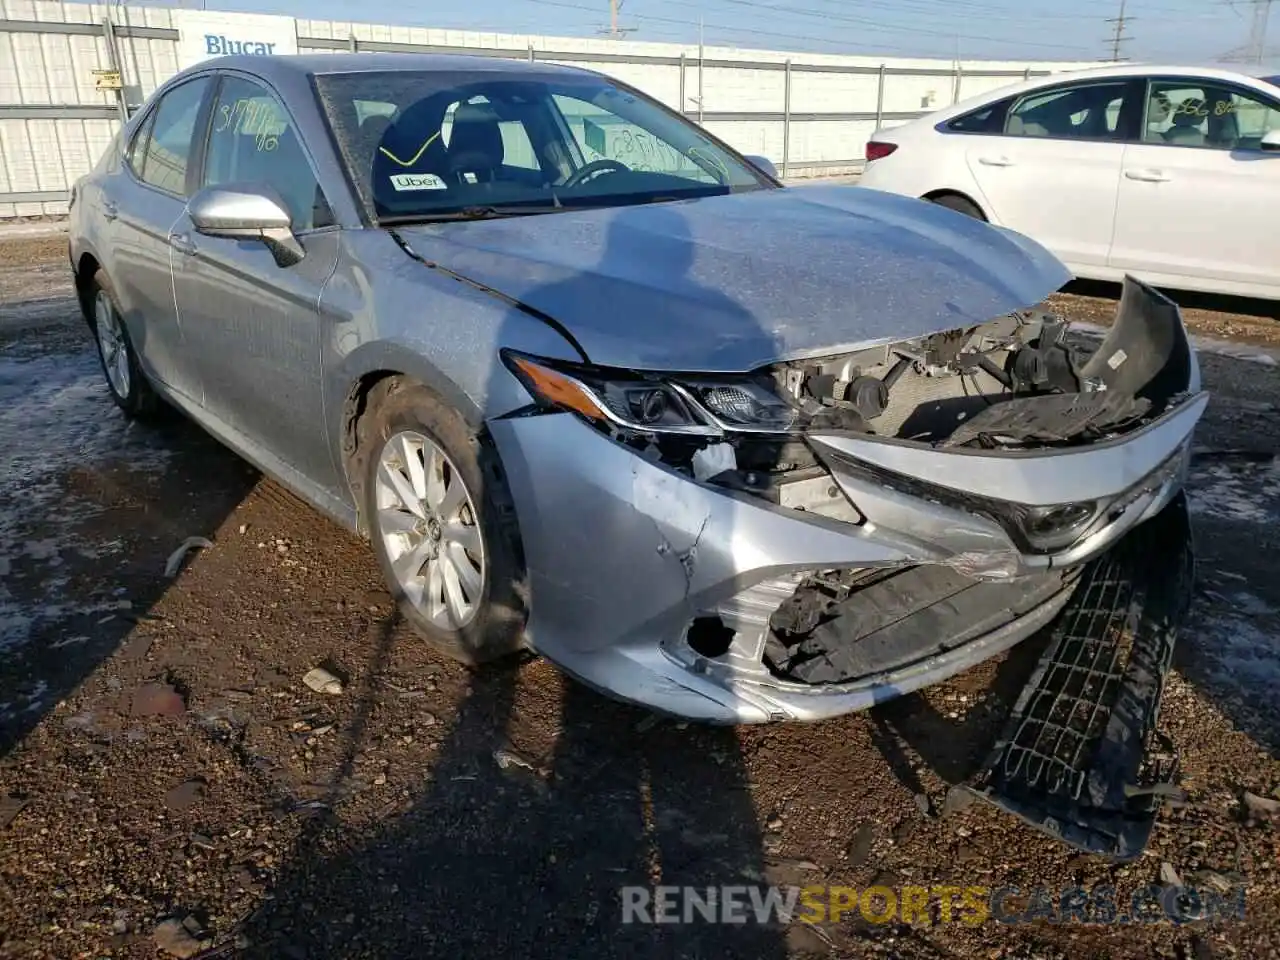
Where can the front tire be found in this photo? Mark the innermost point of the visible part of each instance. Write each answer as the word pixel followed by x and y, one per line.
pixel 441 524
pixel 125 380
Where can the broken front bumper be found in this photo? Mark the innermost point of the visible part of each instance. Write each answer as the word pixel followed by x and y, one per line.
pixel 1075 758
pixel 625 554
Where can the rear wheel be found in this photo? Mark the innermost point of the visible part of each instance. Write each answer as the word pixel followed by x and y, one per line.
pixel 125 380
pixel 441 525
pixel 959 204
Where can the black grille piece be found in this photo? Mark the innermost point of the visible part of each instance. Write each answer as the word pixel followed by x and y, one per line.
pixel 1079 757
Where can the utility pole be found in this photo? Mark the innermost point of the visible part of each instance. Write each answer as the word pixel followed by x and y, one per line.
pixel 1119 37
pixel 1257 46
pixel 1255 49
pixel 616 30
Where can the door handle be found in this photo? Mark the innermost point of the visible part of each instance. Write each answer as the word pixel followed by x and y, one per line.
pixel 109 210
pixel 1000 161
pixel 1147 176
pixel 182 243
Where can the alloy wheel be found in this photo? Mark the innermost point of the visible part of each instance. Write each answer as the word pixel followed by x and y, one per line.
pixel 111 341
pixel 429 529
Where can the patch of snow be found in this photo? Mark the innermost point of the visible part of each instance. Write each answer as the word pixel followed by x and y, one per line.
pixel 1244 491
pixel 1243 651
pixel 55 416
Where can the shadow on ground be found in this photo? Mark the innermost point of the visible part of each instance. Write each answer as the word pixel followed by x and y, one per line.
pixel 92 507
pixel 495 856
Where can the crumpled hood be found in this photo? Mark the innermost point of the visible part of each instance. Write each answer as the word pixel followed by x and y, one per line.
pixel 733 282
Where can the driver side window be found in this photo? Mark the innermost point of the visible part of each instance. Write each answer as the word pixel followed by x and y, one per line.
pixel 603 135
pixel 253 140
pixel 1198 114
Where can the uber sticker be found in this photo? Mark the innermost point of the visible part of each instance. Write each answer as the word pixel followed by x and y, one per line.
pixel 417 181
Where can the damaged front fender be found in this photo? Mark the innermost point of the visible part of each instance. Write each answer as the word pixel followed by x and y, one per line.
pixel 688 546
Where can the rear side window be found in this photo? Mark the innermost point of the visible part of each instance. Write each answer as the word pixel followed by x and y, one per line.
pixel 988 119
pixel 162 150
pixel 1089 111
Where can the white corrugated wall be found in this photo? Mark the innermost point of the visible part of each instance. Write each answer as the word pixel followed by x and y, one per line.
pixel 46 155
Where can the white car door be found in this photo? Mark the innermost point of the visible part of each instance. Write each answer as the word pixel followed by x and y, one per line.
pixel 1053 174
pixel 1199 197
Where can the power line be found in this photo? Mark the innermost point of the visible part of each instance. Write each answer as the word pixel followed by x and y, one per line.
pixel 875 26
pixel 1003 13
pixel 844 45
pixel 1119 37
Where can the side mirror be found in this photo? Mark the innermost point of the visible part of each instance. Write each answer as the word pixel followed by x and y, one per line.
pixel 765 164
pixel 1271 141
pixel 247 212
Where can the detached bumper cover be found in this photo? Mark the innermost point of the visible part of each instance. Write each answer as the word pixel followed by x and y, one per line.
pixel 1078 758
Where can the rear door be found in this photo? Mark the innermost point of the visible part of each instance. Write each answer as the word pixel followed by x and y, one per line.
pixel 1199 198
pixel 1053 172
pixel 255 325
pixel 141 204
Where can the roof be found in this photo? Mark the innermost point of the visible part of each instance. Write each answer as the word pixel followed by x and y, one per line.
pixel 1220 70
pixel 1118 71
pixel 301 65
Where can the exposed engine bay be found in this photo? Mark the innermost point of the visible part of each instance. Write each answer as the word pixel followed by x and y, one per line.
pixel 952 388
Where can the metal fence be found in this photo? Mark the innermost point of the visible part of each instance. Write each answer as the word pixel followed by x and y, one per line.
pixel 876 99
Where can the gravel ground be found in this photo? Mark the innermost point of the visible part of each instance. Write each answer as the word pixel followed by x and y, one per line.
pixel 162 761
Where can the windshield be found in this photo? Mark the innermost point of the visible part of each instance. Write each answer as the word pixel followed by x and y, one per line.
pixel 422 145
pixel 1274 81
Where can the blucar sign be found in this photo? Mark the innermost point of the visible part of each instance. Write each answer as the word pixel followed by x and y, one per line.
pixel 203 34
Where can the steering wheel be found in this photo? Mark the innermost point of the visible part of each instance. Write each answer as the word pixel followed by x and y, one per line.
pixel 604 165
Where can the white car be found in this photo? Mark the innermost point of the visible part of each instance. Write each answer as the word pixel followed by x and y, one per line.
pixel 1170 174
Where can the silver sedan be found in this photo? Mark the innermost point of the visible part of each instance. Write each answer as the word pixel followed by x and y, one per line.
pixel 596 385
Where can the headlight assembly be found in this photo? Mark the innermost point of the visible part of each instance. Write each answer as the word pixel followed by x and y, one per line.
pixel 690 406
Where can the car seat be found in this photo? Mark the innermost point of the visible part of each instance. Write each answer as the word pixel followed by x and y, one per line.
pixel 1022 128
pixel 409 143
pixel 1186 124
pixel 476 151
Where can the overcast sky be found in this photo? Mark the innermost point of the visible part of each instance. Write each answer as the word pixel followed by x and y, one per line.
pixel 1177 30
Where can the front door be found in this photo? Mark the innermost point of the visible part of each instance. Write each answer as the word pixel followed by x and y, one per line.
pixel 1199 197
pixel 1054 172
pixel 255 325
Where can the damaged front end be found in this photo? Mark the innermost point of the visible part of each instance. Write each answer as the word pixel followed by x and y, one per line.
pixel 832 531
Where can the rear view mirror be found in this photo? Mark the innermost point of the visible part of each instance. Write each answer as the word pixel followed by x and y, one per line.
pixel 247 212
pixel 765 164
pixel 1271 141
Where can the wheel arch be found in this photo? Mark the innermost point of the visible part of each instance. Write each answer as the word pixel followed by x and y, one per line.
pixel 375 366
pixel 934 195
pixel 84 268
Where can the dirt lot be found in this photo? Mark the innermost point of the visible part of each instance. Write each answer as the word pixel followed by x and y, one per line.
pixel 161 759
